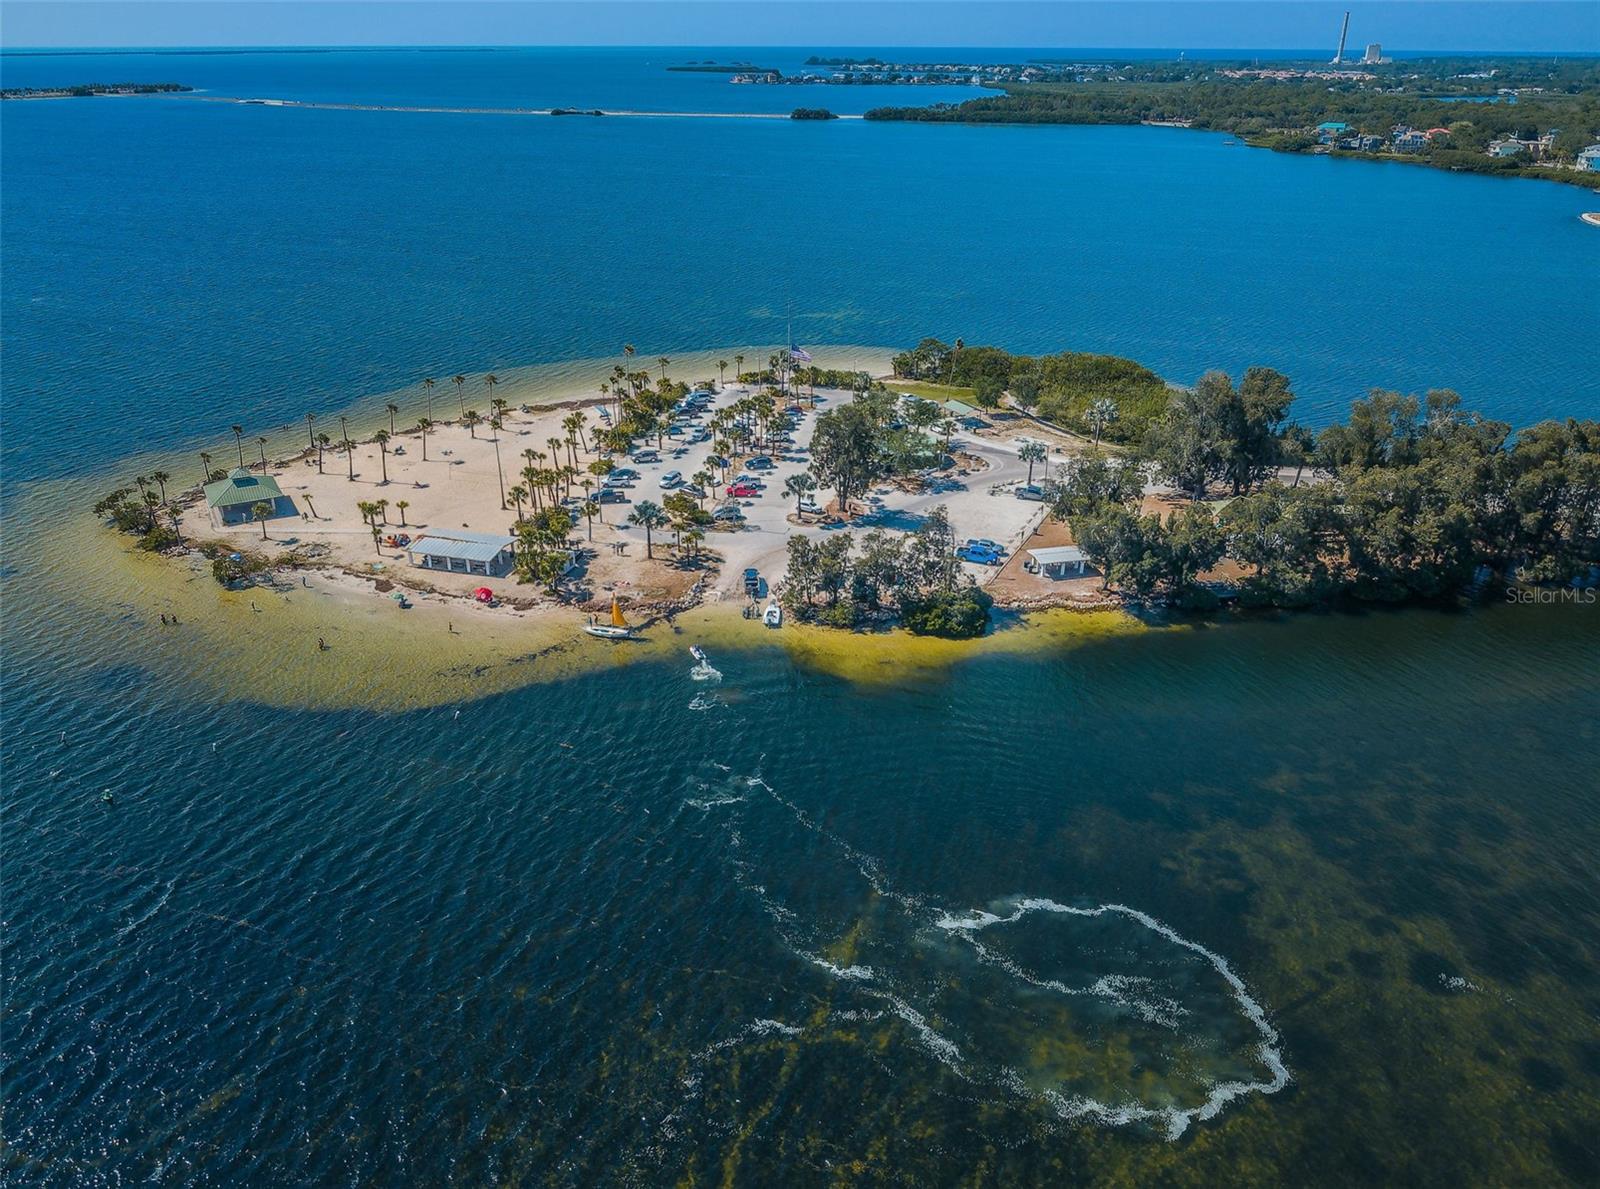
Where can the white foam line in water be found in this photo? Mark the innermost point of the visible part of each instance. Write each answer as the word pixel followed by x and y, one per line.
pixel 1174 1120
pixel 851 973
pixel 1267 1052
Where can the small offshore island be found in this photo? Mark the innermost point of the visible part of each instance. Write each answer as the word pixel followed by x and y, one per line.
pixel 968 478
pixel 90 90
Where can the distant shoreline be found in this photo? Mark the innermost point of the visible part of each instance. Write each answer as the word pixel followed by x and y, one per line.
pixel 504 111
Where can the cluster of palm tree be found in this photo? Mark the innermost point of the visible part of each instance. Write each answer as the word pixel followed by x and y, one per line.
pixel 375 515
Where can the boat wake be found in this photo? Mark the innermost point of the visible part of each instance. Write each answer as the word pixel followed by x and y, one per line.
pixel 703 671
pixel 1097 1013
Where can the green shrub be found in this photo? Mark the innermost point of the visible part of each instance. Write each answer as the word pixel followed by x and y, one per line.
pixel 955 615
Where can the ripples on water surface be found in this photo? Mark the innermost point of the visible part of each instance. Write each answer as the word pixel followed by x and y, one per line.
pixel 643 925
pixel 205 263
pixel 1271 903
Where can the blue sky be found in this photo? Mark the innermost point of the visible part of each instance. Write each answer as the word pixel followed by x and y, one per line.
pixel 1519 26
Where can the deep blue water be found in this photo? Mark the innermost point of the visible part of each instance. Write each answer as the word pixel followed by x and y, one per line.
pixel 193 259
pixel 630 928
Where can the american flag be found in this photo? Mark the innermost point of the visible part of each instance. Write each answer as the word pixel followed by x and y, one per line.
pixel 799 353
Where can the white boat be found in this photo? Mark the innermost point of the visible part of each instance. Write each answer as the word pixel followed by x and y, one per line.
pixel 698 653
pixel 772 616
pixel 618 629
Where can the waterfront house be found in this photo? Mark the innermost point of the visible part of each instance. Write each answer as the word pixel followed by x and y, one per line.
pixel 1589 159
pixel 1508 146
pixel 459 551
pixel 1410 141
pixel 233 500
pixel 1330 131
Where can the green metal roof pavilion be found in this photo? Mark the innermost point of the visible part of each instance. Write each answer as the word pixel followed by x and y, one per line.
pixel 241 487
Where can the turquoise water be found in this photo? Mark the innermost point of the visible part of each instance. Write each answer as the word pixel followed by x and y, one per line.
pixel 193 260
pixel 1279 901
pixel 636 926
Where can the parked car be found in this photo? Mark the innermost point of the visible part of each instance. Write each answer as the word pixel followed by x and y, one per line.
pixel 647 456
pixel 981 557
pixel 985 544
pixel 748 480
pixel 807 504
pixel 622 473
pixel 672 479
pixel 743 491
pixel 695 490
pixel 610 495
pixel 1030 491
pixel 760 463
pixel 727 512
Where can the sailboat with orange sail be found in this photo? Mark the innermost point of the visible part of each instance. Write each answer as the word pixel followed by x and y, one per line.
pixel 618 629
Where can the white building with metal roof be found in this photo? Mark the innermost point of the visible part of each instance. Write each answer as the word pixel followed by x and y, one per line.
pixel 1052 562
pixel 459 551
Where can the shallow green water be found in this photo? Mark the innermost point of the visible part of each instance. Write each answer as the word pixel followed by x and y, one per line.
pixel 638 927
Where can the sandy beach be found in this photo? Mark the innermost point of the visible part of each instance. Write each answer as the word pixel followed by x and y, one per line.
pixel 464 478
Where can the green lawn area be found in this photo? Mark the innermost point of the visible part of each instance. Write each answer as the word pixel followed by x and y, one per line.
pixel 937 392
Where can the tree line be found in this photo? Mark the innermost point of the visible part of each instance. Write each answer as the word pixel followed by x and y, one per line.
pixel 912 575
pixel 1410 499
pixel 1096 395
pixel 1278 113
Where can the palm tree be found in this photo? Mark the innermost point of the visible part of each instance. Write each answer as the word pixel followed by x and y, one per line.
pixel 470 419
pixel 383 510
pixel 312 506
pixel 648 515
pixel 349 448
pixel 1102 412
pixel 460 383
pixel 377 536
pixel 261 511
pixel 573 424
pixel 205 468
pixel 722 367
pixel 590 509
pixel 382 439
pixel 261 443
pixel 516 495
pixel 799 486
pixel 310 433
pixel 238 437
pixel 427 391
pixel 160 478
pixel 402 505
pixel 489 382
pixel 494 424
pixel 692 538
pixel 424 424
pixel 663 361
pixel 322 443
pixel 393 409
pixel 1030 453
pixel 738 367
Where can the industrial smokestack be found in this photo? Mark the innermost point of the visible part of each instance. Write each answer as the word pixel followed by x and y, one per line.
pixel 1344 31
